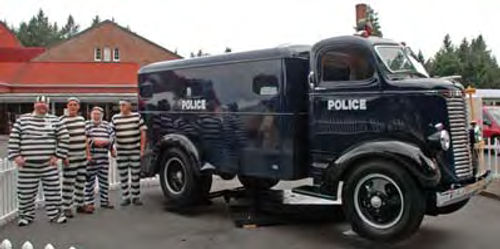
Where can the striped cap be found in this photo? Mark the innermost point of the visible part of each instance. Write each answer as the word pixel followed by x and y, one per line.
pixel 43 98
pixel 74 99
pixel 98 108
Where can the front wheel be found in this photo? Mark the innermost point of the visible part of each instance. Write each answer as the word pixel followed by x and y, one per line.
pixel 383 202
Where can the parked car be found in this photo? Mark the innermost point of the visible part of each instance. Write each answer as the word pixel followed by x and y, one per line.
pixel 491 123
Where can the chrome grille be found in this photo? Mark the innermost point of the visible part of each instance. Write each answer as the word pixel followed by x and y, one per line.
pixel 458 117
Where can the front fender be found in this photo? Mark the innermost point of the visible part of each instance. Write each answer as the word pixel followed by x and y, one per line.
pixel 405 154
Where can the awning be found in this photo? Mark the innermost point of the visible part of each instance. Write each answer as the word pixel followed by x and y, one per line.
pixel 62 97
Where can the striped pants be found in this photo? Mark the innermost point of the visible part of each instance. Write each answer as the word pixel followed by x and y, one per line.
pixel 28 178
pixel 129 162
pixel 74 177
pixel 98 167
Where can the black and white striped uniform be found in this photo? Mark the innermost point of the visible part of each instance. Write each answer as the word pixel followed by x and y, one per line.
pixel 99 165
pixel 127 130
pixel 74 175
pixel 37 138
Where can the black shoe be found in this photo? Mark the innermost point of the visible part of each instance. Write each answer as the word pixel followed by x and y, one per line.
pixel 137 202
pixel 125 202
pixel 107 206
pixel 68 213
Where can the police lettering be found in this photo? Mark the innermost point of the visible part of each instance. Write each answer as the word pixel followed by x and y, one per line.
pixel 193 104
pixel 346 104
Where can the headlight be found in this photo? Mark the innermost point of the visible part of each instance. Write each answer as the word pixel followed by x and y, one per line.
pixel 444 139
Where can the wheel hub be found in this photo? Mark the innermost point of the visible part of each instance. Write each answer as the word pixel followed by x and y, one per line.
pixel 376 201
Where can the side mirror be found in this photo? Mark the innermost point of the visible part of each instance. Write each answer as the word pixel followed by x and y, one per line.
pixel 487 122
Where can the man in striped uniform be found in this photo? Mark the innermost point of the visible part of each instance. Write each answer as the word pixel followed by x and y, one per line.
pixel 100 139
pixel 37 141
pixel 74 169
pixel 130 133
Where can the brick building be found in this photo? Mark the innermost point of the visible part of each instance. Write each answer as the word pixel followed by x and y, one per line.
pixel 99 65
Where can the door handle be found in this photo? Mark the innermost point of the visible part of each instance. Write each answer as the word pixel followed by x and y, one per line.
pixel 318 88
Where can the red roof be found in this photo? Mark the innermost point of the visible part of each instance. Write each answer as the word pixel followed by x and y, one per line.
pixel 7 38
pixel 19 54
pixel 66 76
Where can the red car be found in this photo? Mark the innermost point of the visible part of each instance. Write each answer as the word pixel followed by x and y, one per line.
pixel 491 122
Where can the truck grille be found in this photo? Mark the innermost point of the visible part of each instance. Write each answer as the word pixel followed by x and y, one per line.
pixel 458 117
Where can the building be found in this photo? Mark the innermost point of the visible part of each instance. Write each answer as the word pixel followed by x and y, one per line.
pixel 98 65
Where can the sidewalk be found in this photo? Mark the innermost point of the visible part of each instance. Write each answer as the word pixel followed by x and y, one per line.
pixel 493 190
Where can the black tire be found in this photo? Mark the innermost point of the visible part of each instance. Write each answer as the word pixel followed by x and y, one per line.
pixel 453 207
pixel 256 183
pixel 393 212
pixel 181 184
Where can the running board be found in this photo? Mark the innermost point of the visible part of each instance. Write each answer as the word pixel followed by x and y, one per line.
pixel 311 195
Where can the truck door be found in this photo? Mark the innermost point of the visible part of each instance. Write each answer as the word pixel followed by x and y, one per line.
pixel 344 84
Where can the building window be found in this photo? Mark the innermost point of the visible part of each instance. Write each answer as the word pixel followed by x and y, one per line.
pixel 107 54
pixel 97 54
pixel 116 54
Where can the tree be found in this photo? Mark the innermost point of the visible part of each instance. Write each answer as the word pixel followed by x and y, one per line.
pixel 38 31
pixel 200 53
pixel 95 21
pixel 227 50
pixel 420 57
pixel 70 29
pixel 472 60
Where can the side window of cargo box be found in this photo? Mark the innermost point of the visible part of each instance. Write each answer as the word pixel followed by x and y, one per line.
pixel 345 64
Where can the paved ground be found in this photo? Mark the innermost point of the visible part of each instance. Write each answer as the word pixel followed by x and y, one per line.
pixel 151 226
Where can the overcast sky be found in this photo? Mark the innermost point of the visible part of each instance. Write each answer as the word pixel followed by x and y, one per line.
pixel 189 25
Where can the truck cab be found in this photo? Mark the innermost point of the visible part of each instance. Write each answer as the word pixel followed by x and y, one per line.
pixel 356 114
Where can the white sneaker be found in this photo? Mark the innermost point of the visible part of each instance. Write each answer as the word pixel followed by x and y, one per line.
pixel 59 219
pixel 23 222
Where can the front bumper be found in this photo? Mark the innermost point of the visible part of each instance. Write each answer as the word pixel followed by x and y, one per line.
pixel 452 196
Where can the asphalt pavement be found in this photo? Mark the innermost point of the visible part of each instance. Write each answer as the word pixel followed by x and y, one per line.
pixel 152 226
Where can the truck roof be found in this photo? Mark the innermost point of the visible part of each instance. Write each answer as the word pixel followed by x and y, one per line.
pixel 288 51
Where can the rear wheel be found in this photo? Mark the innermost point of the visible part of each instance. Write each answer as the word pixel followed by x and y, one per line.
pixel 257 183
pixel 181 184
pixel 383 202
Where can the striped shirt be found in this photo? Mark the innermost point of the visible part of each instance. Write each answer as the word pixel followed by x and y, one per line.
pixel 77 139
pixel 103 131
pixel 38 137
pixel 128 129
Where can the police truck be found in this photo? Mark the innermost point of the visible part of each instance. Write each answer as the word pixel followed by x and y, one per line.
pixel 358 115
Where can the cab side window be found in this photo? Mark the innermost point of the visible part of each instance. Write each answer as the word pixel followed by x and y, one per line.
pixel 344 64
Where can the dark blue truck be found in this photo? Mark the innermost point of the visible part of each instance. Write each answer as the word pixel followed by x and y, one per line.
pixel 358 115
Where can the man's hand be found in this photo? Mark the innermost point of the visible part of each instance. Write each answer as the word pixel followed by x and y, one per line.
pixel 66 162
pixel 89 157
pixel 19 160
pixel 142 152
pixel 53 161
pixel 113 152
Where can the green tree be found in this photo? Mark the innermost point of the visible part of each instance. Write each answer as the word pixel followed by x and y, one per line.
pixel 472 60
pixel 420 57
pixel 70 29
pixel 95 21
pixel 228 50
pixel 38 31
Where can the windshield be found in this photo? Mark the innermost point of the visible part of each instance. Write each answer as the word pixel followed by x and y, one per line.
pixel 400 62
